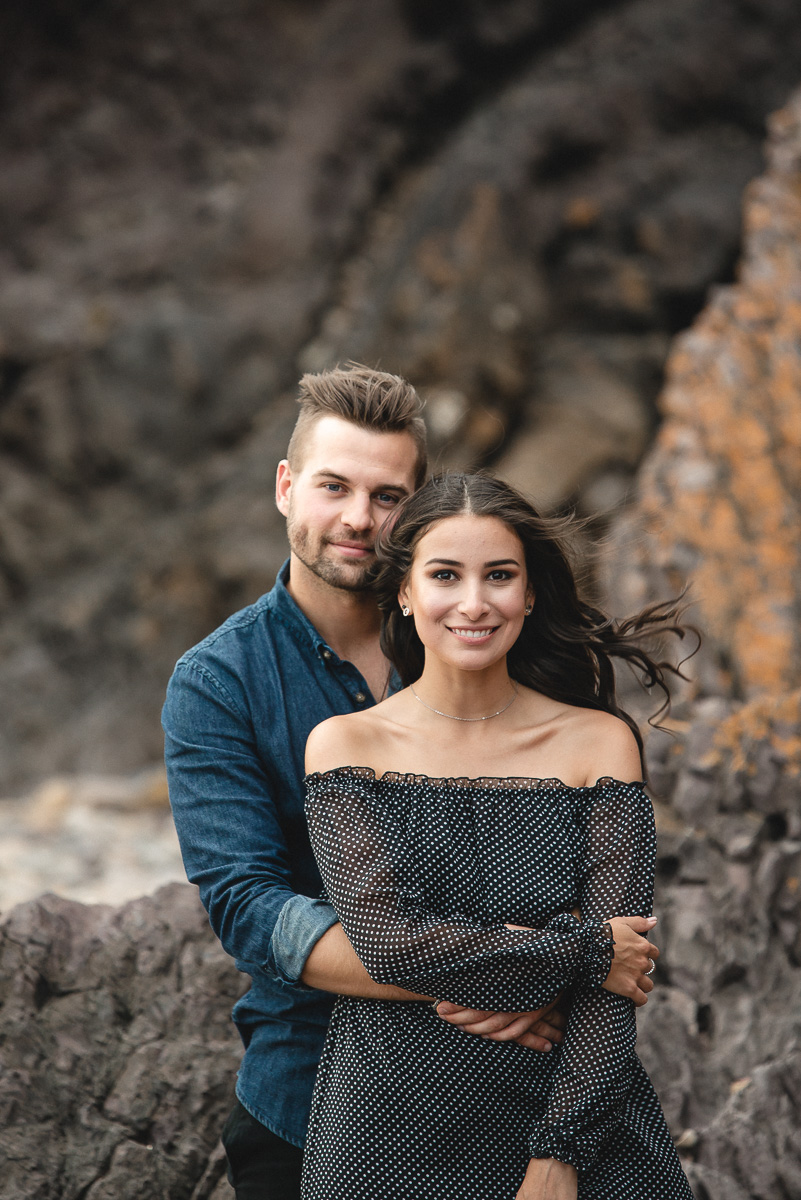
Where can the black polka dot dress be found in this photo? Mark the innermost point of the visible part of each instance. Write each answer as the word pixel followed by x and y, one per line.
pixel 424 874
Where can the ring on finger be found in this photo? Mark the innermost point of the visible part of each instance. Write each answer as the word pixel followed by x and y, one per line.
pixel 653 964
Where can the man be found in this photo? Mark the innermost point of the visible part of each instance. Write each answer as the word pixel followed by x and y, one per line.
pixel 239 709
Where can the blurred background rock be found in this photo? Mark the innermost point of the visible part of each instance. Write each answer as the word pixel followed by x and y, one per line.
pixel 516 204
pixel 533 211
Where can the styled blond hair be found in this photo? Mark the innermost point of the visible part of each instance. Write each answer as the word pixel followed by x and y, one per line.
pixel 371 399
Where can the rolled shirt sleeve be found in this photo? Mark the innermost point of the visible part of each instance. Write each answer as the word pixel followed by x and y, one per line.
pixel 230 829
pixel 300 925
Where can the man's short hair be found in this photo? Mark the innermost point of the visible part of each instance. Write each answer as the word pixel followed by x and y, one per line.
pixel 372 399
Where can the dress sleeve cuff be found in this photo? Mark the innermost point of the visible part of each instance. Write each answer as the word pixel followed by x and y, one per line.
pixel 580 1154
pixel 301 923
pixel 596 947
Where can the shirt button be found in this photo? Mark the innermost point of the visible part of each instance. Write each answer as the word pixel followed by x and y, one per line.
pixel 327 654
pixel 360 696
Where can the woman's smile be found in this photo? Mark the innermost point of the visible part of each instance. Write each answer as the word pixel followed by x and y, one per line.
pixel 467 590
pixel 467 634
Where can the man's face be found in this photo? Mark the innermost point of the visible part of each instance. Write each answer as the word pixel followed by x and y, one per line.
pixel 348 482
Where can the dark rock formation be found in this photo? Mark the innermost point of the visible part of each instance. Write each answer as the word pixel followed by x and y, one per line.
pixel 117 1054
pixel 514 203
pixel 722 1037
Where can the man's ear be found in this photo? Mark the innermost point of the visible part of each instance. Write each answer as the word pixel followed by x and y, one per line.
pixel 283 483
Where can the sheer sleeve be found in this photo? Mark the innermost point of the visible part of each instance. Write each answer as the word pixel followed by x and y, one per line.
pixel 596 1058
pixel 364 860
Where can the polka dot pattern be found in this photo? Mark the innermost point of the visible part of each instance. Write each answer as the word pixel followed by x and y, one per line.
pixel 424 873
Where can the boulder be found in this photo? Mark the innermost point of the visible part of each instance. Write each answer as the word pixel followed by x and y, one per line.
pixel 117 1053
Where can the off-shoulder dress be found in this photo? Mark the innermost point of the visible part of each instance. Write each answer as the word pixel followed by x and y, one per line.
pixel 424 874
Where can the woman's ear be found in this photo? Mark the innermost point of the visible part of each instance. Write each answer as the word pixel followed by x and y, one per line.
pixel 529 601
pixel 403 601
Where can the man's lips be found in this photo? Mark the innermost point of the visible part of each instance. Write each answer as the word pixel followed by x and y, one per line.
pixel 353 549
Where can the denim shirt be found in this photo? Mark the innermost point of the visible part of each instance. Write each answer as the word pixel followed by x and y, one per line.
pixel 239 708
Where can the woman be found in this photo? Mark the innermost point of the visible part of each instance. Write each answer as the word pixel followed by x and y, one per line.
pixel 458 826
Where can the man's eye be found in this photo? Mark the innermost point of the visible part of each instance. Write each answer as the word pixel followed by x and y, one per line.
pixel 333 487
pixel 386 498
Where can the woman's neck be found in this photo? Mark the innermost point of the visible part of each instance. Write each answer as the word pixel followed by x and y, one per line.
pixel 465 694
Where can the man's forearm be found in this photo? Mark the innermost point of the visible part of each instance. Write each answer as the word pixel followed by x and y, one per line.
pixel 333 966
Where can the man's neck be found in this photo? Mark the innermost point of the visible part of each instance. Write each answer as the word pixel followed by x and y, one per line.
pixel 348 621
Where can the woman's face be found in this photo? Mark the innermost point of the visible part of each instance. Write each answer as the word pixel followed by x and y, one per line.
pixel 468 590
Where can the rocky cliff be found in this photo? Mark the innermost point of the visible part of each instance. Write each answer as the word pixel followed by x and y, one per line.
pixel 719 504
pixel 516 204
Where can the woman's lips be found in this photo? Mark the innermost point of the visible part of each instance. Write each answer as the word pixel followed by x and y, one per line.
pixel 474 636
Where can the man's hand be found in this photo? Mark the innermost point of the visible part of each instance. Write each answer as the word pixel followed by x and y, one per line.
pixel 548 1179
pixel 536 1030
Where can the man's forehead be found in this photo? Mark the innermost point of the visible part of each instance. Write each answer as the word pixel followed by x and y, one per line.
pixel 342 448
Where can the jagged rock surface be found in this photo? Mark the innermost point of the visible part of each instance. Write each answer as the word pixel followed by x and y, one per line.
pixel 722 1035
pixel 515 203
pixel 117 1054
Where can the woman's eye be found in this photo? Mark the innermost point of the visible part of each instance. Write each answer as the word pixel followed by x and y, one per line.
pixel 500 576
pixel 443 575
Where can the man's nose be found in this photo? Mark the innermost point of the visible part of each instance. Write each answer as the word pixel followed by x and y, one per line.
pixel 358 513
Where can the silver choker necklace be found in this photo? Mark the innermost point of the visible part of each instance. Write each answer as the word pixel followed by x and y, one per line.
pixel 451 716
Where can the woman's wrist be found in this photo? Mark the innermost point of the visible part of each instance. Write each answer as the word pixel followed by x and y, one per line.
pixel 548 1178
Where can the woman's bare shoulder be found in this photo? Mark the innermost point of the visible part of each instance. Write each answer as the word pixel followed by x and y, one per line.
pixel 340 741
pixel 607 745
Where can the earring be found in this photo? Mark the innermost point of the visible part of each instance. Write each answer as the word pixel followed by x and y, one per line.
pixel 528 610
pixel 406 610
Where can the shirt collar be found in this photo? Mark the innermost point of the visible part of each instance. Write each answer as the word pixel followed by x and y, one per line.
pixel 286 608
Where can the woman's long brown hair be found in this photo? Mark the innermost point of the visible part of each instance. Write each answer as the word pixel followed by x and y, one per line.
pixel 567 647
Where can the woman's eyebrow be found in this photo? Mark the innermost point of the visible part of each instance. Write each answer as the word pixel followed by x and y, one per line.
pixel 451 562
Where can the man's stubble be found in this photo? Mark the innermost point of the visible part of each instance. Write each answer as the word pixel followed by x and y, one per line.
pixel 311 551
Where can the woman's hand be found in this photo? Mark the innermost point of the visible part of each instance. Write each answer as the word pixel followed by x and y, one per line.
pixel 634 957
pixel 548 1179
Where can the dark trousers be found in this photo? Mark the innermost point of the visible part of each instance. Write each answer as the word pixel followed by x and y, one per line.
pixel 261 1165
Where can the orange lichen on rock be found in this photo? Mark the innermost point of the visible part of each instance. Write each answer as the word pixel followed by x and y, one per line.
pixel 775 721
pixel 720 495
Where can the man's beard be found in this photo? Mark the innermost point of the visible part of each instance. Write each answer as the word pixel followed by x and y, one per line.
pixel 353 576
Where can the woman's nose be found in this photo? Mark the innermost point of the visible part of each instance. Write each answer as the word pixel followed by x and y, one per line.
pixel 473 603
